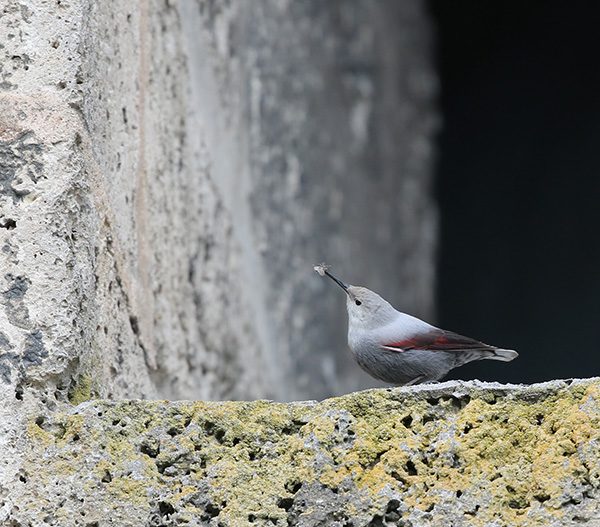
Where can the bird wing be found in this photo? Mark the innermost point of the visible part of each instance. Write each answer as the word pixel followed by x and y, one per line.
pixel 437 340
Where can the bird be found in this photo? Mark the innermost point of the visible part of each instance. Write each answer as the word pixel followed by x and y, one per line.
pixel 401 349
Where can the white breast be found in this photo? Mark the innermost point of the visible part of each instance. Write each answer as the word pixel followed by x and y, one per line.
pixel 402 328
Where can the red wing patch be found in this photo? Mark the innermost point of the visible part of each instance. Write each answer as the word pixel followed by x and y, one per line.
pixel 438 340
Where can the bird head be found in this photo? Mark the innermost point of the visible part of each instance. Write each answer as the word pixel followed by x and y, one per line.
pixel 366 309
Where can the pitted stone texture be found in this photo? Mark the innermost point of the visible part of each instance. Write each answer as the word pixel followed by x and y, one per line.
pixel 46 261
pixel 170 172
pixel 456 453
pixel 119 275
pixel 161 206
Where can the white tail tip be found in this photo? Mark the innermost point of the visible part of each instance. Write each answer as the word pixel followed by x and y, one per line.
pixel 504 355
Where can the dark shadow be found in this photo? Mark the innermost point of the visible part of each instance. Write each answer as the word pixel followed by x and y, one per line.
pixel 518 183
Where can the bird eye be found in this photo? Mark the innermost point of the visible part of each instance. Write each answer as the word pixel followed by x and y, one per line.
pixel 358 302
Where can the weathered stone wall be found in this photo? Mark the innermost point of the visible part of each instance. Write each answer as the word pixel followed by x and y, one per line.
pixel 169 173
pixel 172 170
pixel 316 114
pixel 456 453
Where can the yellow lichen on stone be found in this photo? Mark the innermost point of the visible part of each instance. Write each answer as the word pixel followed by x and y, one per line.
pixel 83 389
pixel 38 434
pixel 500 457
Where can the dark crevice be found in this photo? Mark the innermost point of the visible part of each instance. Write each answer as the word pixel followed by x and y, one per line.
pixel 407 421
pixel 293 486
pixel 285 503
pixel 428 418
pixel 410 468
pixel 166 509
pixel 8 223
pixel 399 478
pixel 377 521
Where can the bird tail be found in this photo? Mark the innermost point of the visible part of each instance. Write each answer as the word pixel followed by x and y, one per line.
pixel 503 355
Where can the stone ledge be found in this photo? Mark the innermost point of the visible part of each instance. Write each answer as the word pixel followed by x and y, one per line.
pixel 454 453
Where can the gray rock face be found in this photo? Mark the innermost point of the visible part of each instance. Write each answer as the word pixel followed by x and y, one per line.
pixel 170 174
pixel 331 128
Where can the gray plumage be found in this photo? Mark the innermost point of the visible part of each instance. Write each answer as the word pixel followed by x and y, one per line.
pixel 401 349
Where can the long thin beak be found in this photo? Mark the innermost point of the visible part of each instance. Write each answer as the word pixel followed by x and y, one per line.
pixel 343 285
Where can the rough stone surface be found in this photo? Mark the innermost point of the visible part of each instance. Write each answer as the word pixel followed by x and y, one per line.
pixel 455 453
pixel 171 170
pixel 169 173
